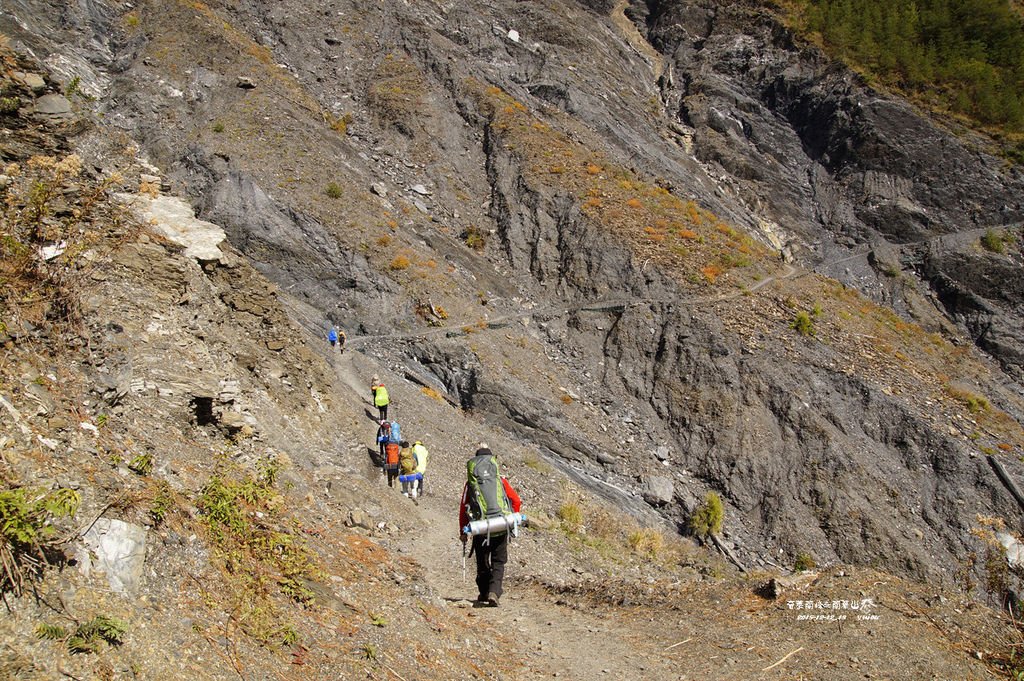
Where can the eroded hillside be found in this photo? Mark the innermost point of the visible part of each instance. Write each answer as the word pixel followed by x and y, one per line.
pixel 544 231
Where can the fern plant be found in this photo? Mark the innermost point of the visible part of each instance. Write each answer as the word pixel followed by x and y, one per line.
pixel 27 536
pixel 88 637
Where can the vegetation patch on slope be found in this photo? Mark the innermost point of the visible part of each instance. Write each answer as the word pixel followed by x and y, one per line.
pixel 965 57
pixel 680 234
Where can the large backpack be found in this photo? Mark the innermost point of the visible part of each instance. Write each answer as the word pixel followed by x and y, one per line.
pixel 391 455
pixel 407 461
pixel 396 432
pixel 485 493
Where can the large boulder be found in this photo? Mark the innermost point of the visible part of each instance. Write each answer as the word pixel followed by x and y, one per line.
pixel 659 490
pixel 117 551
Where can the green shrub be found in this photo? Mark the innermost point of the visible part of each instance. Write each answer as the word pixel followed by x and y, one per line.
pixel 218 127
pixel 162 503
pixel 536 463
pixel 9 105
pixel 571 516
pixel 73 87
pixel 708 517
pixel 804 562
pixel 340 125
pixel 976 404
pixel 27 536
pixel 257 554
pixel 647 541
pixel 333 190
pixel 803 324
pixel 891 271
pixel 474 238
pixel 141 464
pixel 993 241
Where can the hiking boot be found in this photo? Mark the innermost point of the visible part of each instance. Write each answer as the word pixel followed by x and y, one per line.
pixel 492 599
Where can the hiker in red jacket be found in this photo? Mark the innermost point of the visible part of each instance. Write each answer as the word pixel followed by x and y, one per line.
pixel 481 493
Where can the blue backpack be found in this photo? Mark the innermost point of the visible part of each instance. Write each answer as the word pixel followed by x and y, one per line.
pixel 396 432
pixel 332 336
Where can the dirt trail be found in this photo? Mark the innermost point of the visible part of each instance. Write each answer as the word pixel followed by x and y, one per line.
pixel 716 629
pixel 500 321
pixel 546 637
pixel 552 640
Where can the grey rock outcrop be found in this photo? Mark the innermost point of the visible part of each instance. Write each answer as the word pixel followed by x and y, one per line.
pixel 846 169
pixel 174 219
pixel 116 550
pixel 660 490
pixel 54 106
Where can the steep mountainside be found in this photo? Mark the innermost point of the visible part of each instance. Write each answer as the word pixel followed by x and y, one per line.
pixel 441 122
pixel 652 249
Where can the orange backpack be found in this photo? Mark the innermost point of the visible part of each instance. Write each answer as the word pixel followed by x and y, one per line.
pixel 391 454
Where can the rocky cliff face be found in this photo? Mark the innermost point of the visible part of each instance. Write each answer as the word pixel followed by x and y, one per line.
pixel 646 384
pixel 864 182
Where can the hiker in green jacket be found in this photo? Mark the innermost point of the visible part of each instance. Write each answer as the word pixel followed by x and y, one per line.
pixel 487 494
pixel 381 399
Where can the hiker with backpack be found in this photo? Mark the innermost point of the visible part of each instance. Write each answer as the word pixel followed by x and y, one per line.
pixel 420 455
pixel 407 467
pixel 488 512
pixel 381 399
pixel 388 438
pixel 332 337
pixel 383 436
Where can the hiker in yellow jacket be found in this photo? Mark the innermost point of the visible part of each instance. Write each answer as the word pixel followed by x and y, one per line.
pixel 380 398
pixel 420 453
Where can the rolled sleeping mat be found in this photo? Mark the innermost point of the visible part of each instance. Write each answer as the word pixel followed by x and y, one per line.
pixel 409 477
pixel 512 521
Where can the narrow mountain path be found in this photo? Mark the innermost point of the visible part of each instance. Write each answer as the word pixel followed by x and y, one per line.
pixel 546 637
pixel 552 640
pixel 306 317
pixel 714 632
pixel 788 272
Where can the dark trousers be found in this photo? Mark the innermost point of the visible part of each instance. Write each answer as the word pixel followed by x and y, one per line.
pixel 383 411
pixel 491 556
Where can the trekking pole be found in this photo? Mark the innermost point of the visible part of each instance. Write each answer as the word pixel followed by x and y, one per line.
pixel 463 563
